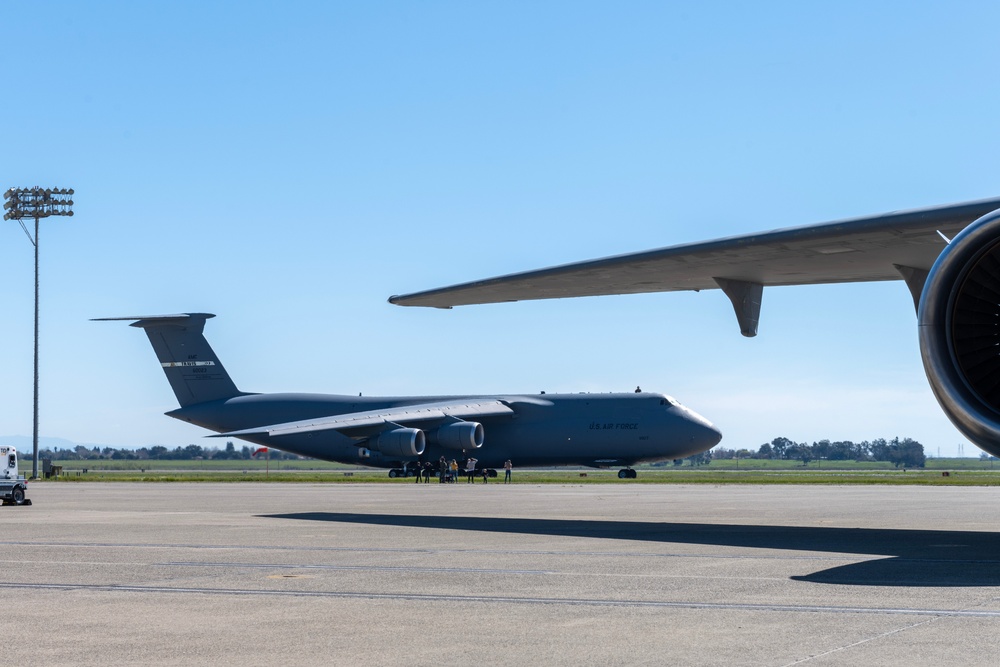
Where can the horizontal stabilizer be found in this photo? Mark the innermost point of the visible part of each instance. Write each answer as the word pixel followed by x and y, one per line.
pixel 143 321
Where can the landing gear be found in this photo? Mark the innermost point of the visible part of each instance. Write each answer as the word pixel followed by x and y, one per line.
pixel 404 472
pixel 626 473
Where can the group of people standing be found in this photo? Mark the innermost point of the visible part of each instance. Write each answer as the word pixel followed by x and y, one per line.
pixel 448 470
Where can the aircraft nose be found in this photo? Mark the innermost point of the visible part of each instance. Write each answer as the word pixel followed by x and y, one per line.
pixel 705 432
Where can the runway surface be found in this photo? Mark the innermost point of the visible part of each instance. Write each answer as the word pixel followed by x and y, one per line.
pixel 386 574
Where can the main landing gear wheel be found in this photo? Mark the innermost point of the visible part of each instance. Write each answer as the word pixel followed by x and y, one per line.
pixel 393 474
pixel 626 473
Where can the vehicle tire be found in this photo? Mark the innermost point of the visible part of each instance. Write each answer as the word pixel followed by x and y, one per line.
pixel 17 495
pixel 632 474
pixel 623 474
pixel 393 474
pixel 491 472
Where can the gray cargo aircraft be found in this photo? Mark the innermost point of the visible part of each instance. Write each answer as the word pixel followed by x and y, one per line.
pixel 949 257
pixel 400 433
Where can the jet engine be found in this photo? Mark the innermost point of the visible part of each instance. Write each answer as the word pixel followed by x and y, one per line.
pixel 401 442
pixel 959 327
pixel 459 435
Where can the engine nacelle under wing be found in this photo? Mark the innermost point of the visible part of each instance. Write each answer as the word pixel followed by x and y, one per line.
pixel 959 328
pixel 459 436
pixel 401 442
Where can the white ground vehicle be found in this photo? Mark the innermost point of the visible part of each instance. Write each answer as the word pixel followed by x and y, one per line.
pixel 12 487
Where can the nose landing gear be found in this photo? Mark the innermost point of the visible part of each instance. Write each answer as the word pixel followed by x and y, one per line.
pixel 626 473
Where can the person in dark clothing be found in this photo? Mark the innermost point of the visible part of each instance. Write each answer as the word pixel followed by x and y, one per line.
pixel 486 475
pixel 420 471
pixel 442 469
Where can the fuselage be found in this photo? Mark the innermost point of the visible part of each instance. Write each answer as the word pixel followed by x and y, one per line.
pixel 544 429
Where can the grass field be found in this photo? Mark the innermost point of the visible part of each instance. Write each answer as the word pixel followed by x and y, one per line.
pixel 939 472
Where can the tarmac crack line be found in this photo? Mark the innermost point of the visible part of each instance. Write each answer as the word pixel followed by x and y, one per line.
pixel 380 568
pixel 506 552
pixel 863 641
pixel 455 570
pixel 428 597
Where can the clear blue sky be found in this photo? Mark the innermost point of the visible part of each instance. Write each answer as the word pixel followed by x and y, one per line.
pixel 289 166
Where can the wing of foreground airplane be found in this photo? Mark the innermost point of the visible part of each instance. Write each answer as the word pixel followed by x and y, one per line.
pixel 891 246
pixel 367 423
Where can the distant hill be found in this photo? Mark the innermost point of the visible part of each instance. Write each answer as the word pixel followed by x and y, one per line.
pixel 23 443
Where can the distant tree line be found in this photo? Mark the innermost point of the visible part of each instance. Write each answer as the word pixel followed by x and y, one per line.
pixel 902 453
pixel 160 453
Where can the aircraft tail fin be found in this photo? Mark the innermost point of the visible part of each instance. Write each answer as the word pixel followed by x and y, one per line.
pixel 194 371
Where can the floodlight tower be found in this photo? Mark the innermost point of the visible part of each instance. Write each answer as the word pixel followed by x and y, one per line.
pixel 37 203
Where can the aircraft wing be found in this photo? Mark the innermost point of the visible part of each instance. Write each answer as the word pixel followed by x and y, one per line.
pixel 853 250
pixel 367 423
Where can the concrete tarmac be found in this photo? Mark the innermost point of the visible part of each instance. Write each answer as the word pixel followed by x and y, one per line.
pixel 388 574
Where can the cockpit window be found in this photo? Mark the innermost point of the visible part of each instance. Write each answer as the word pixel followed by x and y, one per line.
pixel 667 400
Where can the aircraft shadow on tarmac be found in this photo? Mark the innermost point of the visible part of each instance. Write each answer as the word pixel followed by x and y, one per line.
pixel 916 557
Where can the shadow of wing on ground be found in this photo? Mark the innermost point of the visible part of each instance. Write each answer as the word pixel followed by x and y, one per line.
pixel 917 557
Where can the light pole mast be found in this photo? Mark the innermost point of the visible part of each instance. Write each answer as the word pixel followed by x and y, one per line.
pixel 36 203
